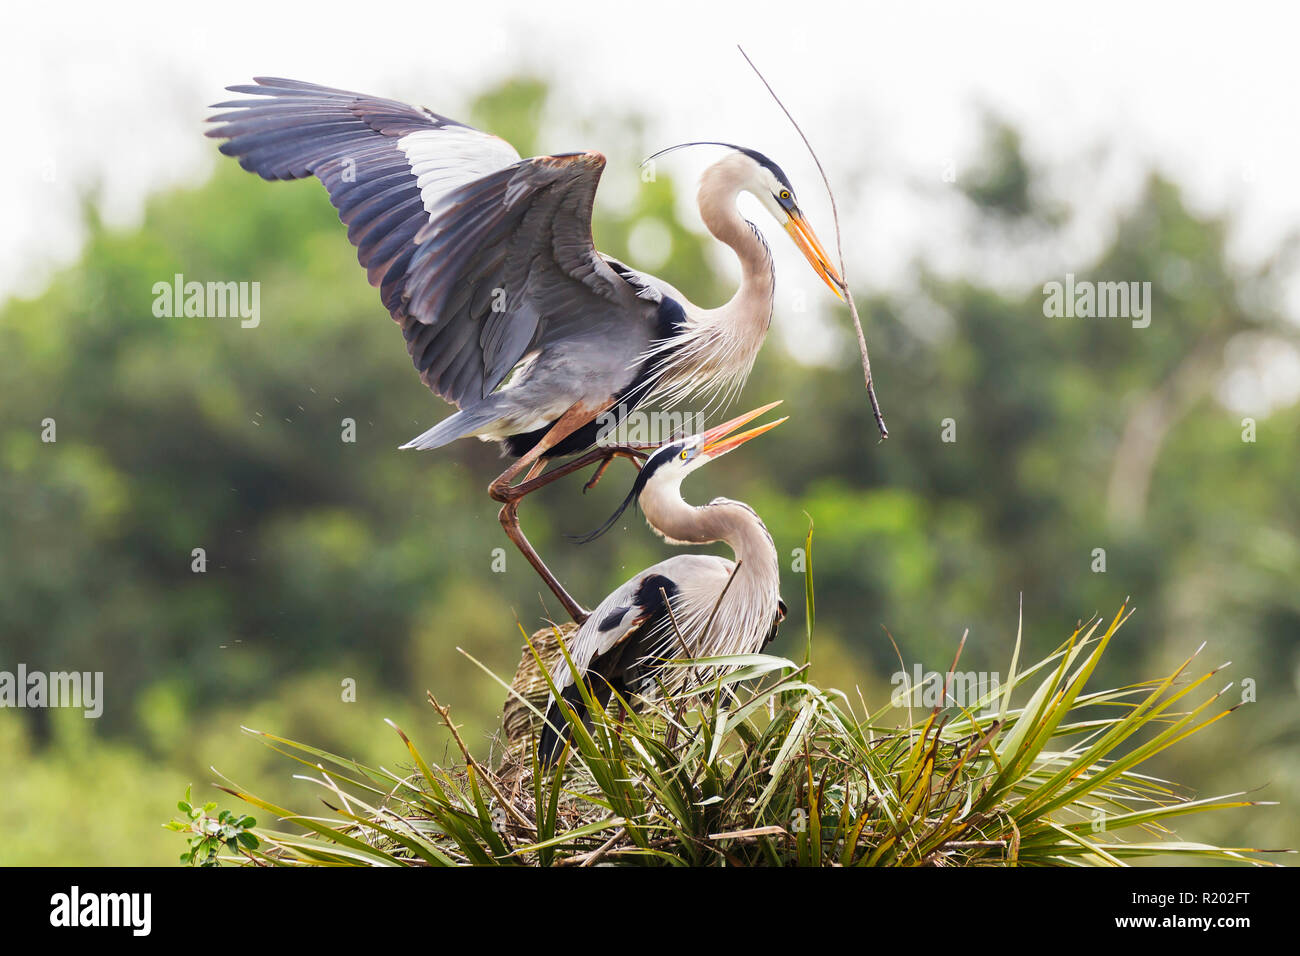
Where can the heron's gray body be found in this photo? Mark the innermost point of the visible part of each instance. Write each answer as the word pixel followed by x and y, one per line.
pixel 487 263
pixel 635 611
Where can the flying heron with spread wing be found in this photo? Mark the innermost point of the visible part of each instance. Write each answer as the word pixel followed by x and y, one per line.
pixel 486 261
pixel 689 606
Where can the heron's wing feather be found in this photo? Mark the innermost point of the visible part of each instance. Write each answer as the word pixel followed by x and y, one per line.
pixel 480 256
pixel 505 265
pixel 603 651
pixel 637 606
pixel 629 627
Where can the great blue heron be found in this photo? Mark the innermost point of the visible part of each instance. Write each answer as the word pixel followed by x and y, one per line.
pixel 486 261
pixel 690 605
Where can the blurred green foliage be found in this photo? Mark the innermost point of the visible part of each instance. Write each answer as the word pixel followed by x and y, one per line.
pixel 330 561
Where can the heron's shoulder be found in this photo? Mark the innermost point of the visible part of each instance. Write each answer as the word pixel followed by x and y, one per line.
pixel 639 601
pixel 670 305
pixel 638 592
pixel 668 576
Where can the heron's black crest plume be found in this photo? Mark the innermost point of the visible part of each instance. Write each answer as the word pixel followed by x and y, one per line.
pixel 753 154
pixel 652 465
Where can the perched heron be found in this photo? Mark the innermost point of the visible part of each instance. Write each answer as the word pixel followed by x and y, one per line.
pixel 487 263
pixel 690 605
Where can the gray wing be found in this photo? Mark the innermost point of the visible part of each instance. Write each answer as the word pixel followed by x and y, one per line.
pixel 636 607
pixel 480 256
pixel 627 630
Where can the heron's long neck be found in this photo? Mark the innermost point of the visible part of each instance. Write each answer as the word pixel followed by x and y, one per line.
pixel 750 309
pixel 731 522
pixel 710 358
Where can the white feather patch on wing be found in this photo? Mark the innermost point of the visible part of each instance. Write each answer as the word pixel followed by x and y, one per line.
pixel 448 158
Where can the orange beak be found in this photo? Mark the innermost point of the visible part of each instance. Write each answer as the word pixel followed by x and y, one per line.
pixel 716 442
pixel 809 245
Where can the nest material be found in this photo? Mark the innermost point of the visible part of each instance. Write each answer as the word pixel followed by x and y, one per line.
pixel 520 724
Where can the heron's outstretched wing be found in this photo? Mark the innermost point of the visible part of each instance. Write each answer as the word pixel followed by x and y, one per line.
pixel 479 255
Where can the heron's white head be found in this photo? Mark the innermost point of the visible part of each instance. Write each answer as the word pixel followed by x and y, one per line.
pixel 748 170
pixel 768 183
pixel 678 459
pixel 671 463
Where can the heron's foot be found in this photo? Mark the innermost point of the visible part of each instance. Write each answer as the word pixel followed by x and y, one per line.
pixel 577 613
pixel 597 474
pixel 631 453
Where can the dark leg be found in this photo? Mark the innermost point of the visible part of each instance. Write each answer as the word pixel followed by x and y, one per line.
pixel 509 518
pixel 510 495
pixel 604 455
pixel 600 470
pixel 509 515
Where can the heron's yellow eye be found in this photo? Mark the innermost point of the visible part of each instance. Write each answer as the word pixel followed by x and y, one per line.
pixel 683 454
pixel 785 194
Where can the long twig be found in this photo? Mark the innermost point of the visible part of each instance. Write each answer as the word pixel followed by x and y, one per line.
pixel 839 248
pixel 487 778
pixel 594 858
pixel 681 641
pixel 708 625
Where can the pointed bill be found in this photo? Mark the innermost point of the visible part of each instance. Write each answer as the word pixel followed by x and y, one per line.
pixel 811 247
pixel 716 440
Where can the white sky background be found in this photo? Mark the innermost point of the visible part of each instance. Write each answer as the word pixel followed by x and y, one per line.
pixel 890 94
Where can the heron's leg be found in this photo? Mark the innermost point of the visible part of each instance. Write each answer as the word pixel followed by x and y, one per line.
pixel 604 455
pixel 578 415
pixel 501 489
pixel 510 495
pixel 610 454
pixel 509 515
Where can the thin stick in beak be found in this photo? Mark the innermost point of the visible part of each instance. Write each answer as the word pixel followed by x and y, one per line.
pixel 811 247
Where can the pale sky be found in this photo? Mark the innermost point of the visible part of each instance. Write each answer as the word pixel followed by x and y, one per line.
pixel 889 94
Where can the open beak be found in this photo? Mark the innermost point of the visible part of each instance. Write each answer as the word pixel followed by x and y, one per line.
pixel 716 442
pixel 808 244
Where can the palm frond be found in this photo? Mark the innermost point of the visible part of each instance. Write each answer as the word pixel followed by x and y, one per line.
pixel 763 767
